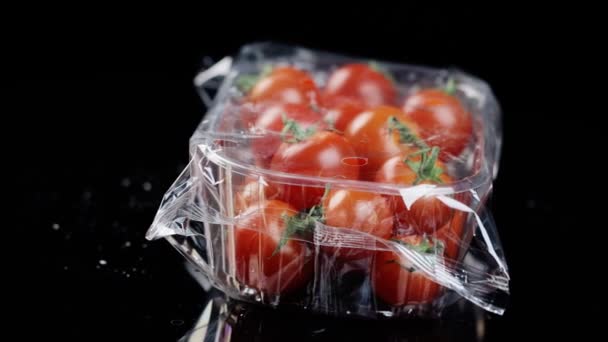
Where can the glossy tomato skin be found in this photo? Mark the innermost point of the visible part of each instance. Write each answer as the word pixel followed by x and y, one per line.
pixel 285 85
pixel 253 192
pixel 269 124
pixel 365 212
pixel 451 235
pixel 427 214
pixel 256 236
pixel 342 110
pixel 370 135
pixel 324 154
pixel 443 120
pixel 396 283
pixel 362 83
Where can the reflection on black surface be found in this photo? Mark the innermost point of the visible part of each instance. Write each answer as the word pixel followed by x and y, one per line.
pixel 234 321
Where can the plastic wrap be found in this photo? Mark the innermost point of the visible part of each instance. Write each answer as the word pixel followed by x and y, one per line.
pixel 288 204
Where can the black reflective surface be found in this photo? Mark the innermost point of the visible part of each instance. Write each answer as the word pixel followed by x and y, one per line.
pixel 105 121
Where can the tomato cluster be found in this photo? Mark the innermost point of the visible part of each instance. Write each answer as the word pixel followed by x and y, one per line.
pixel 352 128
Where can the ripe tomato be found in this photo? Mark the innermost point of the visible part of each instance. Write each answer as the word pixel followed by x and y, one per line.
pixel 285 85
pixel 451 234
pixel 259 264
pixel 442 119
pixel 362 211
pixel 362 83
pixel 270 124
pixel 427 214
pixel 342 110
pixel 324 154
pixel 397 283
pixel 253 192
pixel 372 137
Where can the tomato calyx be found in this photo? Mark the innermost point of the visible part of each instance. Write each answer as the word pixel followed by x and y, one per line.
pixel 303 223
pixel 406 135
pixel 450 86
pixel 424 247
pixel 381 70
pixel 293 133
pixel 246 82
pixel 426 168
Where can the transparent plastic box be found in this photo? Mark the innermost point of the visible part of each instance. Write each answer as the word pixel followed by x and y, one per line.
pixel 288 204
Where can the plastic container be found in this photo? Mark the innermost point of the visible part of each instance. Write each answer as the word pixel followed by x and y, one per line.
pixel 380 217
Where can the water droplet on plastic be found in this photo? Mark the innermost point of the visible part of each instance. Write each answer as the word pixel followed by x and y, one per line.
pixel 103 262
pixel 55 226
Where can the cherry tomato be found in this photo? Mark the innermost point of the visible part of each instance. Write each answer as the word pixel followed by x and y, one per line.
pixel 285 85
pixel 362 211
pixel 398 283
pixel 362 83
pixel 270 124
pixel 451 234
pixel 324 154
pixel 442 119
pixel 427 214
pixel 253 192
pixel 261 262
pixel 342 110
pixel 372 137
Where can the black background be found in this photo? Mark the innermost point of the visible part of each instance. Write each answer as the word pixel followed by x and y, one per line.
pixel 105 107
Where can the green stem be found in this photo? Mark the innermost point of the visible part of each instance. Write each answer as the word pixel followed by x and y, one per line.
pixel 406 135
pixel 426 168
pixel 293 133
pixel 450 86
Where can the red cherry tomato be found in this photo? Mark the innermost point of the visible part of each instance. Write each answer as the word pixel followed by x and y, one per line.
pixel 372 137
pixel 285 85
pixel 396 282
pixel 260 263
pixel 270 124
pixel 342 110
pixel 324 154
pixel 356 210
pixel 254 192
pixel 442 119
pixel 427 214
pixel 362 83
pixel 451 234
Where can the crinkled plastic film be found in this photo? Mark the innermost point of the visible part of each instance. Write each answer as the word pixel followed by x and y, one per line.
pixel 220 215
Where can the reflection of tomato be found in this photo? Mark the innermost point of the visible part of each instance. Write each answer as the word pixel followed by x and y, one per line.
pixel 397 282
pixel 371 137
pixel 362 211
pixel 443 121
pixel 285 85
pixel 324 154
pixel 362 83
pixel 427 214
pixel 270 124
pixel 342 110
pixel 253 192
pixel 259 265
